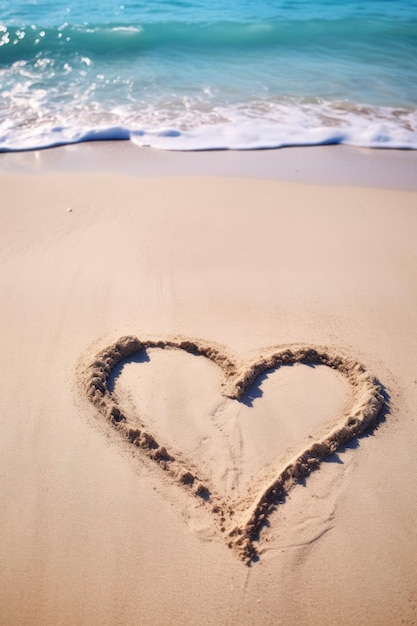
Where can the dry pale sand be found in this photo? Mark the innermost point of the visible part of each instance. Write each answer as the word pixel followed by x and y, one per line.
pixel 268 323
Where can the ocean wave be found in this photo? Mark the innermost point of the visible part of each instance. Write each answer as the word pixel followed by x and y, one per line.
pixel 210 84
pixel 114 40
pixel 303 125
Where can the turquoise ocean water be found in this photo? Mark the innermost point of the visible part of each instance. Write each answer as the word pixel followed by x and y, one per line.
pixel 193 74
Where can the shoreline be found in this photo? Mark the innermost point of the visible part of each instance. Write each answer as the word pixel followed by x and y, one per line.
pixel 323 165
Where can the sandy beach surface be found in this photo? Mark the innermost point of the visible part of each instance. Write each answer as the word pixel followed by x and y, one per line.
pixel 131 471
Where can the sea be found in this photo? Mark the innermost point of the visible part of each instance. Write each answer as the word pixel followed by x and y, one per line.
pixel 208 74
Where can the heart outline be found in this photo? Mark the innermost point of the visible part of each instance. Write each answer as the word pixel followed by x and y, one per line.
pixel 367 403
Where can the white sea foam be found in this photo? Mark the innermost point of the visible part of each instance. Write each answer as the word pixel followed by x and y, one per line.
pixel 258 135
pixel 256 125
pixel 127 29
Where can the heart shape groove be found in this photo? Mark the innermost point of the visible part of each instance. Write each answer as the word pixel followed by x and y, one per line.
pixel 367 403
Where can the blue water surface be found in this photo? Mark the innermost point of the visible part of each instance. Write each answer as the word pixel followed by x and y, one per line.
pixel 199 75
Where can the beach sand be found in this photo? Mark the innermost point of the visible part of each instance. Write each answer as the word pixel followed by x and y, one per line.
pixel 126 474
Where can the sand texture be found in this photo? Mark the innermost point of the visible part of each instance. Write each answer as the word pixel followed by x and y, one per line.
pixel 367 403
pixel 208 401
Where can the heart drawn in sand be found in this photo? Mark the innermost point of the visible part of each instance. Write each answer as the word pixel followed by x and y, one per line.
pixel 240 528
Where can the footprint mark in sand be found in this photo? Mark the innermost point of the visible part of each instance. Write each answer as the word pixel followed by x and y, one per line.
pixel 232 472
pixel 239 525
